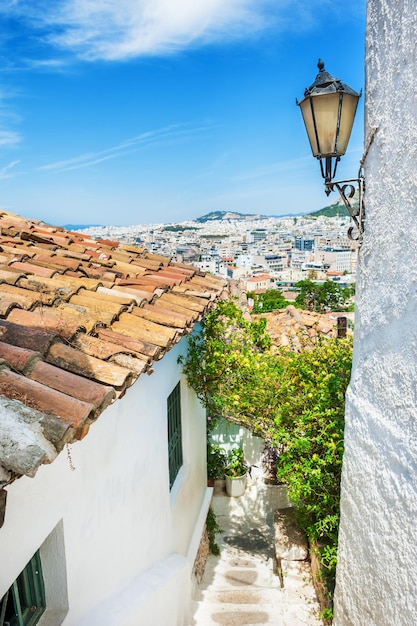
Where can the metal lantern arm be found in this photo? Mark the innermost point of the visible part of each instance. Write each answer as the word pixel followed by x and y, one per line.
pixel 328 171
pixel 347 190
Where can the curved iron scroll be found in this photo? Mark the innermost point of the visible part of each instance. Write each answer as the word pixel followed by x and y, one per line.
pixel 348 190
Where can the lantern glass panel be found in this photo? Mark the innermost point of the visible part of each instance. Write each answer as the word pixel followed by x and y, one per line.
pixel 326 111
pixel 305 107
pixel 350 103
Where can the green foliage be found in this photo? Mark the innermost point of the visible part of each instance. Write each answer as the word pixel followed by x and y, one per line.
pixel 322 297
pixel 270 300
pixel 295 400
pixel 337 209
pixel 310 425
pixel 216 461
pixel 237 466
pixel 326 614
pixel 213 529
pixel 226 365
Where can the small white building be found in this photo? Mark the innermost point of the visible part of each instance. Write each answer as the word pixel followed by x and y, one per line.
pixel 103 486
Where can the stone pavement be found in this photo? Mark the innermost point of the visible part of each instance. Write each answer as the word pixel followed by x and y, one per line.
pixel 241 587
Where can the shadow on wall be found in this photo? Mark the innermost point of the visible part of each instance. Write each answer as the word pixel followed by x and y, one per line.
pixel 229 436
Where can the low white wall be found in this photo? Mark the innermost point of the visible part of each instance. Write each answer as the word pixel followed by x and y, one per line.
pixel 119 521
pixel 229 435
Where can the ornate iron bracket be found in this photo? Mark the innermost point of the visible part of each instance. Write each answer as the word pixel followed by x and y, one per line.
pixel 348 189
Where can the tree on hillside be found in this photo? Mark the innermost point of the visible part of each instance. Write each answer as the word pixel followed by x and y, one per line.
pixel 322 297
pixel 270 300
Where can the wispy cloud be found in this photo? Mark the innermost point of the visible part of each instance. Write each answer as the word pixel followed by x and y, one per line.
pixel 122 29
pixel 273 168
pixel 6 171
pixel 172 133
pixel 9 138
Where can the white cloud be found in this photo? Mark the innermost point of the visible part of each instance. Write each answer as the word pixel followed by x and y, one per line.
pixel 172 133
pixel 274 169
pixel 122 29
pixel 9 138
pixel 5 172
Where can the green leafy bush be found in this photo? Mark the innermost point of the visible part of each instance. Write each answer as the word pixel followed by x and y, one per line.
pixel 216 461
pixel 237 466
pixel 213 529
pixel 295 400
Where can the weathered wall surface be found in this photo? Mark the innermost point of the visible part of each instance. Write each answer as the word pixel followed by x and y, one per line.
pixel 377 571
pixel 120 546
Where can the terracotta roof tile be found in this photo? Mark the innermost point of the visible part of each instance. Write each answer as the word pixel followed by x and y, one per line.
pixel 55 288
pixel 103 311
pixel 102 349
pixel 122 256
pixel 31 268
pixel 139 295
pixel 133 249
pixel 23 336
pixel 191 316
pixel 146 283
pixel 139 332
pixel 129 343
pixel 188 302
pixel 42 398
pixel 19 359
pixel 46 319
pixel 159 258
pixel 147 264
pixel 162 316
pixel 84 319
pixel 23 298
pixel 11 278
pixel 108 242
pixel 104 295
pixel 79 387
pixel 79 281
pixel 80 363
pixel 137 321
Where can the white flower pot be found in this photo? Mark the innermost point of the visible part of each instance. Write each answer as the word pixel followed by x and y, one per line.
pixel 236 486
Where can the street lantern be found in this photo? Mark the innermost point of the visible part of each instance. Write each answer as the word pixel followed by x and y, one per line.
pixel 328 110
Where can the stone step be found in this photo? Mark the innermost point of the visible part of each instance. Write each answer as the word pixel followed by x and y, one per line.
pixel 231 614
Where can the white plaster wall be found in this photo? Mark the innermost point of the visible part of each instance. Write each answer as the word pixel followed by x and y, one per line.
pixel 377 570
pixel 119 521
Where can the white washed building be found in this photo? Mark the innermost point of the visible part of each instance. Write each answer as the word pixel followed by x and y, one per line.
pixel 103 487
pixel 377 568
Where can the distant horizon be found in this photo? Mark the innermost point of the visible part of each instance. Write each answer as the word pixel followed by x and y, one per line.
pixel 259 215
pixel 144 112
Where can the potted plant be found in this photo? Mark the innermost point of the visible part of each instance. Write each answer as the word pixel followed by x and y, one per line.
pixel 236 473
pixel 216 462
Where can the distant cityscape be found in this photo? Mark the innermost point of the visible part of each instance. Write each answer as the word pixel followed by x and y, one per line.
pixel 263 252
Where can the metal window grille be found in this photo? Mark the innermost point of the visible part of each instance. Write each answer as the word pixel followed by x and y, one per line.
pixel 24 603
pixel 174 434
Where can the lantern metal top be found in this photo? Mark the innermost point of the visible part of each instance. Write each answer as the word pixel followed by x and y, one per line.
pixel 326 83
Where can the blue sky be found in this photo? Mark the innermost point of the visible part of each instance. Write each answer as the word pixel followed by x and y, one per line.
pixel 144 111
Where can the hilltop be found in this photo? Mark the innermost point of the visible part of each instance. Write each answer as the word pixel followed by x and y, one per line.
pixel 216 216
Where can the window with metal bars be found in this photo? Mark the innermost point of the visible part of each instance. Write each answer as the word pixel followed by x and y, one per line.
pixel 24 603
pixel 174 434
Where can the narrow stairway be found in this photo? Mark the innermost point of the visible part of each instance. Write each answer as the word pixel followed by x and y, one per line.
pixel 241 587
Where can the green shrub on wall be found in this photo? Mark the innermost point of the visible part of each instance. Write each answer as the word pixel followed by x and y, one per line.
pixel 294 399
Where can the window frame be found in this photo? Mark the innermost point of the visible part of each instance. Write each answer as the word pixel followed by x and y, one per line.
pixel 175 444
pixel 27 596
